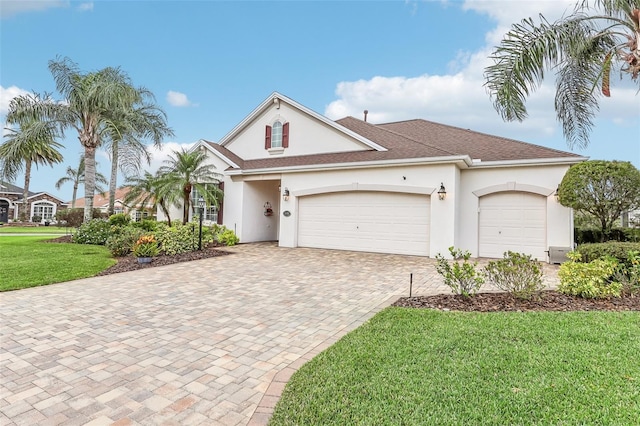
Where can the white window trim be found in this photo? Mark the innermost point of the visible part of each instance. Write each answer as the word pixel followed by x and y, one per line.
pixel 53 209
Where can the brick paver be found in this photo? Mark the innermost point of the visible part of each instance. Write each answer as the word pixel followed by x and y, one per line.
pixel 210 342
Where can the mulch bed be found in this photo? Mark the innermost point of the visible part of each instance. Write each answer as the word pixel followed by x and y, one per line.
pixel 549 300
pixel 130 263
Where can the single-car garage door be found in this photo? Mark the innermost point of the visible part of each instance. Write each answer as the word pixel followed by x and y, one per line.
pixel 515 221
pixel 383 222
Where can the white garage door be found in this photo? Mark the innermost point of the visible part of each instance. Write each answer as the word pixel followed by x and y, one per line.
pixel 513 221
pixel 382 222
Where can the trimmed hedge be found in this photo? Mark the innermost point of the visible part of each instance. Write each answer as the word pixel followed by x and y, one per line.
pixel 615 249
pixel 594 235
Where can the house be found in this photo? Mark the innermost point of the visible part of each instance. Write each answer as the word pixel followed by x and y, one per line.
pixel 411 187
pixel 40 204
pixel 101 202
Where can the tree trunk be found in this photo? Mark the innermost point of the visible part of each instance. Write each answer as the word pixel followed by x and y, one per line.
pixel 166 212
pixel 186 194
pixel 75 194
pixel 89 181
pixel 113 178
pixel 25 192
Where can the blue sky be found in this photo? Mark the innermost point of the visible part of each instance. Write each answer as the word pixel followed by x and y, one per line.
pixel 210 63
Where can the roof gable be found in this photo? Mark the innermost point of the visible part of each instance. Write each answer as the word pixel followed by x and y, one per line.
pixel 309 132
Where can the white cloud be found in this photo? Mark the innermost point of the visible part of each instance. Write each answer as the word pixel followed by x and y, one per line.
pixel 86 7
pixel 6 94
pixel 178 99
pixel 10 8
pixel 459 97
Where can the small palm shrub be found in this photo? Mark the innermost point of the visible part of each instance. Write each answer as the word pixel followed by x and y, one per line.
pixel 589 280
pixel 516 273
pixel 462 278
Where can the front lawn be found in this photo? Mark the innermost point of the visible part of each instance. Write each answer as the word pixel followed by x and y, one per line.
pixel 422 366
pixel 58 230
pixel 27 261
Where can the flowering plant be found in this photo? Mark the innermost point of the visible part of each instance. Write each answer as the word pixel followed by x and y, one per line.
pixel 146 246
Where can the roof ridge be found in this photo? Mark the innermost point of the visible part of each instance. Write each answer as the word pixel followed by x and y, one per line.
pixel 480 133
pixel 377 126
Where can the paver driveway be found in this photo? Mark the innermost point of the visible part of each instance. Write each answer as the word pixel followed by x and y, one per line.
pixel 192 343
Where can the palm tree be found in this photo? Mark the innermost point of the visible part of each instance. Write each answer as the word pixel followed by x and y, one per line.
pixel 140 122
pixel 95 103
pixel 582 48
pixel 185 171
pixel 77 177
pixel 32 143
pixel 149 189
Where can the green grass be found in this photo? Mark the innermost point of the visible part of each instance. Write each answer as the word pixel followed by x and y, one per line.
pixel 413 366
pixel 27 261
pixel 34 230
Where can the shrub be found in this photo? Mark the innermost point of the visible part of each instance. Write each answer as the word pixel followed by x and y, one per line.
pixel 589 280
pixel 121 241
pixel 516 273
pixel 227 237
pixel 74 217
pixel 35 218
pixel 146 246
pixel 461 278
pixel 629 276
pixel 149 225
pixel 617 250
pixel 96 231
pixel 119 219
pixel 178 238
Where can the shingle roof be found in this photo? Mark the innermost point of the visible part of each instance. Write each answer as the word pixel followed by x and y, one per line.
pixel 102 199
pixel 6 187
pixel 411 139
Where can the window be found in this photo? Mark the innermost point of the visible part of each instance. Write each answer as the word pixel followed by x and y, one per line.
pixel 141 215
pixel 44 210
pixel 277 136
pixel 211 212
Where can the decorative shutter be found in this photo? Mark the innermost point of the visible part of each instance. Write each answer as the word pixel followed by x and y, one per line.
pixel 220 203
pixel 285 135
pixel 267 138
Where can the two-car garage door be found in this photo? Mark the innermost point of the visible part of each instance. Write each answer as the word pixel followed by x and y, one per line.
pixel 383 222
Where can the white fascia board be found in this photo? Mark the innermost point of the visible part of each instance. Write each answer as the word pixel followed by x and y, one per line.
pixel 463 160
pixel 275 95
pixel 205 143
pixel 530 162
pixel 45 193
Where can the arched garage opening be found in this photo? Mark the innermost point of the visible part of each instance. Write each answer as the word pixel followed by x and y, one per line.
pixel 512 220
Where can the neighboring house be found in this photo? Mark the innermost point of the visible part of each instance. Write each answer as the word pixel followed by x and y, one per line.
pixel 40 204
pixel 410 187
pixel 101 202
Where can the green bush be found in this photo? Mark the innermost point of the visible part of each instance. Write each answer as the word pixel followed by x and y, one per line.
pixel 122 239
pixel 178 238
pixel 462 278
pixel 96 231
pixel 629 276
pixel 119 219
pixel 149 225
pixel 227 237
pixel 594 235
pixel 36 218
pixel 74 217
pixel 589 280
pixel 516 273
pixel 617 250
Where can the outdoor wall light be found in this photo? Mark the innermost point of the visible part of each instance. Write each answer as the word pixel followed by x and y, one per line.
pixel 557 194
pixel 285 194
pixel 442 193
